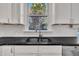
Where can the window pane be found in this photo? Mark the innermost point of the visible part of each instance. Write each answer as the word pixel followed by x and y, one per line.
pixel 37 16
pixel 37 8
pixel 34 23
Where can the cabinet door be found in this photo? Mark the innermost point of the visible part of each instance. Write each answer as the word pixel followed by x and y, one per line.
pixel 50 50
pixel 75 13
pixel 62 13
pixel 5 12
pixel 26 50
pixel 0 50
pixel 15 13
pixel 7 50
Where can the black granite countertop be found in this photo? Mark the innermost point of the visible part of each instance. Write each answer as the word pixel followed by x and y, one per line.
pixel 43 44
pixel 38 41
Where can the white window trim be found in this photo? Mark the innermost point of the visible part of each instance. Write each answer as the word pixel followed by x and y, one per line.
pixel 22 13
pixel 51 15
pixel 11 19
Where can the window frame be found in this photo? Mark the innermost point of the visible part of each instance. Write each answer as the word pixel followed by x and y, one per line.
pixel 50 18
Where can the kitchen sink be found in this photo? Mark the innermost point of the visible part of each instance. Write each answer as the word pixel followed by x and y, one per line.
pixel 38 40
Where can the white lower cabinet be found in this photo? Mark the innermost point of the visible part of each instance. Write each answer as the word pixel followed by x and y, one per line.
pixel 7 50
pixel 0 50
pixel 38 50
pixel 50 50
pixel 24 50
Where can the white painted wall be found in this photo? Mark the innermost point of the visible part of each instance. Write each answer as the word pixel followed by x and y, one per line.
pixel 55 30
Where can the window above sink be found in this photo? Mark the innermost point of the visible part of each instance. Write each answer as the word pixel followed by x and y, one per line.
pixel 37 18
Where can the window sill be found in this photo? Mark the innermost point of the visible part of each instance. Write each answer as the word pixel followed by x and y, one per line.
pixel 33 31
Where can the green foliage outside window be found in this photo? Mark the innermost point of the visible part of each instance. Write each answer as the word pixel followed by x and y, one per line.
pixel 38 8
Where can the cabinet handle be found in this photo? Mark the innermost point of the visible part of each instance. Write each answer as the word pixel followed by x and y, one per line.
pixel 11 50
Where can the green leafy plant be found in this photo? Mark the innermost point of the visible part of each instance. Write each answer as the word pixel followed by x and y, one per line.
pixel 38 8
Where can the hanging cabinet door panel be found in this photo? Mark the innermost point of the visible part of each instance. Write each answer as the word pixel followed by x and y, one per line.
pixel 5 12
pixel 15 13
pixel 75 13
pixel 62 13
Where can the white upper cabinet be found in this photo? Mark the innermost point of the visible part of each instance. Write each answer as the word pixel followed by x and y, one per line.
pixel 75 13
pixel 62 13
pixel 10 13
pixel 15 13
pixel 5 12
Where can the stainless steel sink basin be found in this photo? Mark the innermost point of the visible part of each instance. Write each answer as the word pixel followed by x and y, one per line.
pixel 38 41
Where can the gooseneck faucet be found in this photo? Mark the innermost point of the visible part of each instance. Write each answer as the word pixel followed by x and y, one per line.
pixel 38 25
